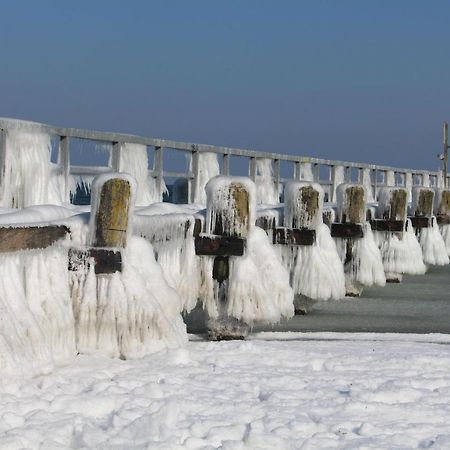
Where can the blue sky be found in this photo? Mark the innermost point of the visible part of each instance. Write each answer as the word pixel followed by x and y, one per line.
pixel 353 80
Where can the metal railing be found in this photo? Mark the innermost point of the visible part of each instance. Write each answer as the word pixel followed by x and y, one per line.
pixel 353 171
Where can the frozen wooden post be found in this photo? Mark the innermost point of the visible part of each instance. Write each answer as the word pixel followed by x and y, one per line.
pixel 351 215
pixel 442 206
pixel 110 219
pixel 422 207
pixel 227 226
pixel 392 215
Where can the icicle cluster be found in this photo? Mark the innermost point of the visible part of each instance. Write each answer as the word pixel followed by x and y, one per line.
pixel 267 192
pixel 208 167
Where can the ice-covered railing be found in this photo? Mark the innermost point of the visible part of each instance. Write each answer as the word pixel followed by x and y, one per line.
pixel 163 155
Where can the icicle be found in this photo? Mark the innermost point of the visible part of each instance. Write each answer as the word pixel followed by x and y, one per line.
pixel 367 183
pixel 267 192
pixel 208 167
pixel 433 245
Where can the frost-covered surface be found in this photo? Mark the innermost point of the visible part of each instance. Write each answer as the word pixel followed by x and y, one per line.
pixel 208 167
pixel 29 176
pixel 445 232
pixel 334 391
pixel 134 161
pixel 172 238
pixel 367 183
pixel 433 245
pixel 306 173
pixel 401 252
pixel 266 190
pixel 338 178
pixel 258 285
pixel 36 323
pixel 316 271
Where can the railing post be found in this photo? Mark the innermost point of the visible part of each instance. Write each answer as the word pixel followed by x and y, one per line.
pixel 226 164
pixel 115 156
pixel 158 168
pixel 297 171
pixel 195 173
pixel 277 175
pixel 252 168
pixel 2 160
pixel 64 161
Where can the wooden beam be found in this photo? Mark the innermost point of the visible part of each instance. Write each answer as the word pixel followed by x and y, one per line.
pixel 106 261
pixel 387 225
pixel 293 236
pixel 347 230
pixel 13 239
pixel 421 222
pixel 443 220
pixel 211 245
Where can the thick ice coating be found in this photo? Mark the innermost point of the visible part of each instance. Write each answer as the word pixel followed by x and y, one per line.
pixel 267 191
pixel 258 284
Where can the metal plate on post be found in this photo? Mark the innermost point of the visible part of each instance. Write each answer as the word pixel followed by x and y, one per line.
pixel 212 245
pixel 347 230
pixel 293 236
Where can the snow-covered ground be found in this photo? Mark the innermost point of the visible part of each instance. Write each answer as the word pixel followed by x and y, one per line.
pixel 326 390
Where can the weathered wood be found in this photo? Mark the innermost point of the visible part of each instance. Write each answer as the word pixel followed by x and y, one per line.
pixel 425 203
pixel 387 225
pixel 293 236
pixel 443 220
pixel 444 204
pixel 398 204
pixel 421 222
pixel 347 230
pixel 211 245
pixel 106 261
pixel 356 207
pixel 13 239
pixel 111 219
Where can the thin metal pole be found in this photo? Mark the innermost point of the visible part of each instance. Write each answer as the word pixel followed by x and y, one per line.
pixel 445 168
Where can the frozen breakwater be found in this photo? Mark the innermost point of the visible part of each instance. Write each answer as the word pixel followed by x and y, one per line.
pixel 114 275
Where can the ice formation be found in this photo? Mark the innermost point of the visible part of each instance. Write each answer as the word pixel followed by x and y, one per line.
pixel 306 172
pixel 367 183
pixel 400 251
pixel 363 265
pixel 208 167
pixel 258 285
pixel 172 238
pixel 267 191
pixel 316 271
pixel 390 178
pixel 127 314
pixel 442 208
pixel 29 176
pixel 134 160
pixel 338 177
pixel 37 325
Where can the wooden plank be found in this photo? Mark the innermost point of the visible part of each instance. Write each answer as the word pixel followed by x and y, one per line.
pixel 293 236
pixel 347 230
pixel 13 239
pixel 387 225
pixel 213 245
pixel 443 220
pixel 421 222
pixel 106 261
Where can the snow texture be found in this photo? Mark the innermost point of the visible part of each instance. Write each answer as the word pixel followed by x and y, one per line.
pixel 208 167
pixel 172 238
pixel 134 161
pixel 318 391
pixel 29 177
pixel 267 191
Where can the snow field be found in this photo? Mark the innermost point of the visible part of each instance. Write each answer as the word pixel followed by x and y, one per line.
pixel 377 391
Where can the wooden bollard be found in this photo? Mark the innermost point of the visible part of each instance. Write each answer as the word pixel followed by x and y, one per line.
pixel 110 219
pixel 442 206
pixel 228 222
pixel 422 207
pixel 392 210
pixel 351 211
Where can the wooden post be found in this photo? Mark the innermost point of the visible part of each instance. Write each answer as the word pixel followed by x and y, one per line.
pixel 232 224
pixel 111 220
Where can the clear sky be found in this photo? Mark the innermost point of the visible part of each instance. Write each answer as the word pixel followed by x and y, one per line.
pixel 351 79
